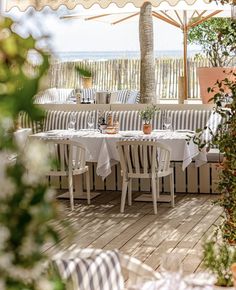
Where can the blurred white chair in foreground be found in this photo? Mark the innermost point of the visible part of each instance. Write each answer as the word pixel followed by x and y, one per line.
pixel 95 269
pixel 69 160
pixel 144 159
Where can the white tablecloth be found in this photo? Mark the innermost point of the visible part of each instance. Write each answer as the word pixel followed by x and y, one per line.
pixel 101 148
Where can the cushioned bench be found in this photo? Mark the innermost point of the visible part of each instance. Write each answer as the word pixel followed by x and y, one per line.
pixel 192 180
pixel 61 95
pixel 54 95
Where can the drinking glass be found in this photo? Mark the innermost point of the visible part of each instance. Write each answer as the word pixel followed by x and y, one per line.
pixel 167 122
pixel 171 270
pixel 171 262
pixel 72 121
pixel 90 122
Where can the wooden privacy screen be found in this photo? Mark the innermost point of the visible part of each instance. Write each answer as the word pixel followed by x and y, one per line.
pixel 193 180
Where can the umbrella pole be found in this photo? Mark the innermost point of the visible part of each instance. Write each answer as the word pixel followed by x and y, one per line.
pixel 185 40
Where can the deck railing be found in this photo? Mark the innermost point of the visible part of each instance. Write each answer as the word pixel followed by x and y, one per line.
pixel 124 74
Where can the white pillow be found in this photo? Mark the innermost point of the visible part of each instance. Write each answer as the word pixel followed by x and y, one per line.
pixel 132 98
pixel 214 122
pixel 212 126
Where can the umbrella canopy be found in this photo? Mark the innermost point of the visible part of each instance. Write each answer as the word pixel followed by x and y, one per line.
pixel 71 4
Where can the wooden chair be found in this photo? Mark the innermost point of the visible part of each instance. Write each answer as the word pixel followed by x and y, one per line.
pixel 69 160
pixel 144 159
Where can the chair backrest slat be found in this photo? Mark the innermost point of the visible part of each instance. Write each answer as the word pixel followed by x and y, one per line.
pixel 145 158
pixel 127 155
pixel 136 158
pixel 142 157
pixel 67 154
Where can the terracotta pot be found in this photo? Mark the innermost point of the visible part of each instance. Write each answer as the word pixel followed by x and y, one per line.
pixel 209 75
pixel 147 128
pixel 87 82
pixel 223 288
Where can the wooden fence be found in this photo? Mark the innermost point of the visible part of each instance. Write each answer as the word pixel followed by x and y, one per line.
pixel 124 74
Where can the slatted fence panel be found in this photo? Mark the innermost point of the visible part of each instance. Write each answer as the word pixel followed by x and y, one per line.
pixel 193 180
pixel 117 74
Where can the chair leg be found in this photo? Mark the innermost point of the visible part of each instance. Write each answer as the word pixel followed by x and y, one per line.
pixel 88 187
pixel 123 195
pixel 130 192
pixel 172 191
pixel 71 193
pixel 154 194
pixel 158 187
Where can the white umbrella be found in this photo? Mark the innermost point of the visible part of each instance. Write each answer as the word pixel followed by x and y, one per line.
pixel 71 4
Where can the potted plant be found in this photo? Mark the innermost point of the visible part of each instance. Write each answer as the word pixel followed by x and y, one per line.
pixel 147 114
pixel 217 37
pixel 86 75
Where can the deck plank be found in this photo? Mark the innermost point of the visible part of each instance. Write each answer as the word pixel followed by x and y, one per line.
pixel 140 233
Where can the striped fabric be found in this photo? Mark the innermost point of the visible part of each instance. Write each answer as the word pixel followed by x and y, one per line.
pixel 88 94
pixel 133 97
pixel 131 120
pixel 60 119
pixel 122 96
pixel 96 272
pixel 128 120
pixel 138 98
pixel 187 119
pixel 26 122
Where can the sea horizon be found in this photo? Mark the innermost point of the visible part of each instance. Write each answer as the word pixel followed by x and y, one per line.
pixel 103 55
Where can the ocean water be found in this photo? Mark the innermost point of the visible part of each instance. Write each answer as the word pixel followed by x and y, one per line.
pixel 99 55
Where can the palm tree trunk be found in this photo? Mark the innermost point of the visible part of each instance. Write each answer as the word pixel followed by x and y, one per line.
pixel 147 69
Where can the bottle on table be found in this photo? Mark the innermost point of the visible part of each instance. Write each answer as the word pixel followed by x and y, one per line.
pixel 78 98
pixel 103 125
pixel 116 124
pixel 109 120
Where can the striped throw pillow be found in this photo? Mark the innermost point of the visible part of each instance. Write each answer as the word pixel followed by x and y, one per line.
pixel 99 272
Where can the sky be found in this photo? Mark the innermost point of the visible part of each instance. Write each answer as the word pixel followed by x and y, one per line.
pixel 78 35
pixel 68 35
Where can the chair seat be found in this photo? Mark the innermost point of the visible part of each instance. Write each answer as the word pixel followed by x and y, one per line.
pixel 66 173
pixel 149 174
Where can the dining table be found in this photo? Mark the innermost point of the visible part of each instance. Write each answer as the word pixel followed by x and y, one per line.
pixel 101 148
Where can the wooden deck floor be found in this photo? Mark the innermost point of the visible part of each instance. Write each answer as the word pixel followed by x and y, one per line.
pixel 139 232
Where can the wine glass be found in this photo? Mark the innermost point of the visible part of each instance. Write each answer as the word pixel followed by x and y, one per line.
pixel 72 121
pixel 90 122
pixel 167 121
pixel 171 267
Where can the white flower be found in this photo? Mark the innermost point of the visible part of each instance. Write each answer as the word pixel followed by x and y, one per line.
pixel 5 260
pixel 36 160
pixel 27 275
pixel 4 234
pixel 7 185
pixel 49 195
pixel 6 123
pixel 2 285
pixel 28 245
pixel 44 284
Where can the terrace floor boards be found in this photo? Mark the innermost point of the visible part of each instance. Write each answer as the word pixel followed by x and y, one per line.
pixel 138 232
